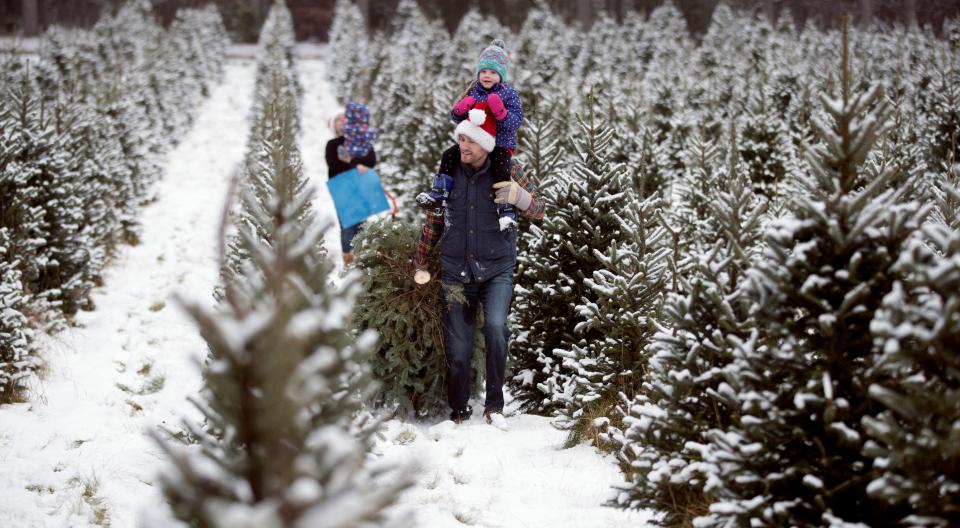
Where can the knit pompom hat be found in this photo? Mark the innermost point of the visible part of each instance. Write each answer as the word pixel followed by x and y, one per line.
pixel 495 58
pixel 357 131
pixel 480 126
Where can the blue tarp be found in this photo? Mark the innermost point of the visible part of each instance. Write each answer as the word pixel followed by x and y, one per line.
pixel 357 196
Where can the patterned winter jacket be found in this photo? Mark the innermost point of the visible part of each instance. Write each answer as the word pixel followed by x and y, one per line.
pixel 506 129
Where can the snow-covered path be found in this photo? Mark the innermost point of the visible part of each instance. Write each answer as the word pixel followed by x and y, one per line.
pixel 77 455
pixel 318 108
pixel 472 474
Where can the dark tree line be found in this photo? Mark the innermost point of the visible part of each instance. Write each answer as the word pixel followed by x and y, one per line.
pixel 312 18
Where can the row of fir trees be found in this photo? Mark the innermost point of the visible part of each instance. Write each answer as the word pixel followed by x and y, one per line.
pixel 83 128
pixel 746 284
pixel 285 439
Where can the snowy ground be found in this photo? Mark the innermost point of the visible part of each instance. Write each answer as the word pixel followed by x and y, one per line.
pixel 15 44
pixel 474 474
pixel 318 109
pixel 77 455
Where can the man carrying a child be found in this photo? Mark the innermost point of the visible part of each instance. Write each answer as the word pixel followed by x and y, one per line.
pixel 478 250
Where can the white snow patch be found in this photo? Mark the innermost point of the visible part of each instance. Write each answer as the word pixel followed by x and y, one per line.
pixel 487 477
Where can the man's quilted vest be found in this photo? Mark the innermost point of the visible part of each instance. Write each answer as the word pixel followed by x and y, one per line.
pixel 472 241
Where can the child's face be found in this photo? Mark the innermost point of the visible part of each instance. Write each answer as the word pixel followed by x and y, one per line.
pixel 488 78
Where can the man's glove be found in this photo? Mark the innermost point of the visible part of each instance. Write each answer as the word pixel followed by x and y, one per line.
pixel 496 106
pixel 426 201
pixel 464 105
pixel 509 192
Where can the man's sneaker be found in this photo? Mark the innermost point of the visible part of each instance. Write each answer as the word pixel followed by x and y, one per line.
pixel 462 415
pixel 495 418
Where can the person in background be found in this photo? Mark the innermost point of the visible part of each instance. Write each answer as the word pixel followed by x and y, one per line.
pixel 351 148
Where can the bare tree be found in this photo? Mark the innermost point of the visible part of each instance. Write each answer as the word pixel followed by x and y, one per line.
pixel 866 12
pixel 770 10
pixel 585 12
pixel 364 6
pixel 31 25
pixel 909 13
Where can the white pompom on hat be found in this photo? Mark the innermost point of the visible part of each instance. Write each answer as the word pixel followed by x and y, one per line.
pixel 480 126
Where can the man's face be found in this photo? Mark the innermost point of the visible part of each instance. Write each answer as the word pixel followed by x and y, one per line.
pixel 338 124
pixel 470 151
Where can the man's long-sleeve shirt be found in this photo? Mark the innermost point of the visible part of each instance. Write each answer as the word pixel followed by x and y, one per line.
pixel 434 223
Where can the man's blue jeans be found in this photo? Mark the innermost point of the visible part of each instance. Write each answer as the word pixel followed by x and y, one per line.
pixel 459 326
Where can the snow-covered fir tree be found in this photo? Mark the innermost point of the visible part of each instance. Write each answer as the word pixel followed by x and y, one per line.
pixel 913 441
pixel 946 194
pixel 685 392
pixel 410 103
pixel 412 150
pixel 80 153
pixel 943 127
pixel 32 165
pixel 720 56
pixel 473 33
pixel 280 446
pixel 628 289
pixel 130 32
pixel 348 35
pixel 691 209
pixel 585 203
pixel 268 170
pixel 69 68
pixel 276 86
pixel 764 141
pixel 634 142
pixel 605 55
pixel 100 167
pixel 542 155
pixel 275 58
pixel 668 121
pixel 795 455
pixel 68 278
pixel 903 147
pixel 17 359
pixel 542 63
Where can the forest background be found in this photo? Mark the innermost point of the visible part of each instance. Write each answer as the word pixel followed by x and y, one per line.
pixel 312 18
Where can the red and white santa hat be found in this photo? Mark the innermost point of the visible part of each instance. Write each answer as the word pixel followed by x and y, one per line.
pixel 480 126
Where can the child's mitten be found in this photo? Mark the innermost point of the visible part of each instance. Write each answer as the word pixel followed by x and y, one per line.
pixel 496 106
pixel 464 105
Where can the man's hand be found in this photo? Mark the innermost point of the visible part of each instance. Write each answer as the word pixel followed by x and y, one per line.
pixel 421 276
pixel 508 192
pixel 361 168
pixel 496 106
pixel 464 105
